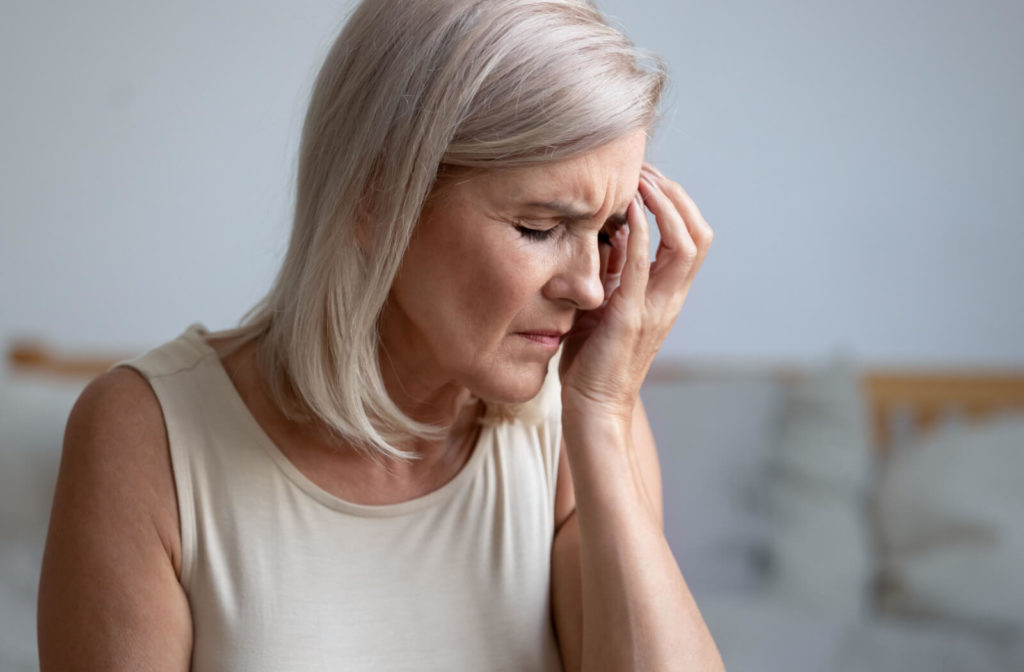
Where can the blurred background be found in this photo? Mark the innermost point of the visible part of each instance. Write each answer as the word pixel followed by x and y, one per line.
pixel 835 408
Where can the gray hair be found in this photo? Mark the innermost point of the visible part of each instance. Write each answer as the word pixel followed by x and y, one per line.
pixel 409 87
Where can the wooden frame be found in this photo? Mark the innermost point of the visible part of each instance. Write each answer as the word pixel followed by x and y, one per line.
pixel 35 358
pixel 921 396
pixel 925 397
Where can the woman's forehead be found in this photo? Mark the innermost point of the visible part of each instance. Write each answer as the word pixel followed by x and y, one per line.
pixel 578 187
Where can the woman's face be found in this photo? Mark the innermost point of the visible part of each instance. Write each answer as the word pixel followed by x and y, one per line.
pixel 499 266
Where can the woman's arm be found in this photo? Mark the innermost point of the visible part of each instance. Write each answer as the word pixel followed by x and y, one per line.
pixel 109 596
pixel 633 610
pixel 567 601
pixel 617 581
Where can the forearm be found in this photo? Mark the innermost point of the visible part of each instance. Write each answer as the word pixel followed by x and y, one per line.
pixel 638 613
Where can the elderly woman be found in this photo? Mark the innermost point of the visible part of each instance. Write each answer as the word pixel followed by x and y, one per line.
pixel 424 449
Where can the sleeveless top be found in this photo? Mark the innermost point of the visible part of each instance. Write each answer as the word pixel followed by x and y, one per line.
pixel 281 575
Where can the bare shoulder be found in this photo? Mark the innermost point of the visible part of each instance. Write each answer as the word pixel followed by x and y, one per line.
pixel 109 594
pixel 116 437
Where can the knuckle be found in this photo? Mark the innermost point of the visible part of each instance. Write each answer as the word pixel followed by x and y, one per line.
pixel 704 236
pixel 676 190
pixel 640 264
pixel 688 250
pixel 633 322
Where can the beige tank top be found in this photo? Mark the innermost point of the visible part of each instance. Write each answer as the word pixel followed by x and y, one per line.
pixel 281 575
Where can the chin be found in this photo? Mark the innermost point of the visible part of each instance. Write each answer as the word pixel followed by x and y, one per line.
pixel 516 386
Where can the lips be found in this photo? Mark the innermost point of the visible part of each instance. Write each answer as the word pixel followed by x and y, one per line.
pixel 550 338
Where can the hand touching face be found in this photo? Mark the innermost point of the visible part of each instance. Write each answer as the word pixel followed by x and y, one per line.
pixel 501 266
pixel 610 350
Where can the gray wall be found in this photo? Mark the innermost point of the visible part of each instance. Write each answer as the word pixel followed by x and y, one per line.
pixel 861 164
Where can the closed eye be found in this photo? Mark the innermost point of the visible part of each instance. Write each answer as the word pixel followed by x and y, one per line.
pixel 534 234
pixel 531 233
pixel 603 237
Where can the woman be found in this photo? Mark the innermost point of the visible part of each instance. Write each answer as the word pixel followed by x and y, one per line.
pixel 378 470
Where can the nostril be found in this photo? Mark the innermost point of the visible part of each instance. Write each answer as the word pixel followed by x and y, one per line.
pixel 580 279
pixel 592 292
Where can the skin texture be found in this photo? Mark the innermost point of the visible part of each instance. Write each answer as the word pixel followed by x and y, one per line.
pixel 472 282
pixel 619 599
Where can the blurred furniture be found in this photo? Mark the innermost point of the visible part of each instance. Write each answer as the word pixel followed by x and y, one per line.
pixel 827 517
pixel 928 396
pixel 34 358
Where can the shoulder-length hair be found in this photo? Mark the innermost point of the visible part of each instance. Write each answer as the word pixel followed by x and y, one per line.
pixel 409 87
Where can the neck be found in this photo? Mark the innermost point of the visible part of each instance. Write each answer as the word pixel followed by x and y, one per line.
pixel 425 392
pixel 444 406
pixel 432 400
pixel 417 383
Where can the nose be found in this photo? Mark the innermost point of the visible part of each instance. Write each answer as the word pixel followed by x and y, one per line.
pixel 577 279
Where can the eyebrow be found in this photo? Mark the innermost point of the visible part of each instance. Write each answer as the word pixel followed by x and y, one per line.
pixel 572 214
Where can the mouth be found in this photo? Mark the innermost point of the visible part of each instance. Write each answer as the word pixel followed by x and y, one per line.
pixel 547 338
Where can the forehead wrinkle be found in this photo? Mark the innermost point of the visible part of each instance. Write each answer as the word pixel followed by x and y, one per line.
pixel 582 188
pixel 561 189
pixel 564 210
pixel 578 206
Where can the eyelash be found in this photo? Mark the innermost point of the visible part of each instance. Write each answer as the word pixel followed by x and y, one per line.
pixel 603 238
pixel 534 234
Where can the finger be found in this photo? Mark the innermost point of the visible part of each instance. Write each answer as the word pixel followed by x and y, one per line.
pixel 700 231
pixel 677 251
pixel 633 284
pixel 616 260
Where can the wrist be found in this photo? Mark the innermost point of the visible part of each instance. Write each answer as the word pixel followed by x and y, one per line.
pixel 596 430
pixel 580 411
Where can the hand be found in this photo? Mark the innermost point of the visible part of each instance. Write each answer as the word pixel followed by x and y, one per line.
pixel 606 356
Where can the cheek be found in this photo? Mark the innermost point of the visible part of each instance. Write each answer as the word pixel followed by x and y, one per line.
pixel 513 274
pixel 489 283
pixel 507 289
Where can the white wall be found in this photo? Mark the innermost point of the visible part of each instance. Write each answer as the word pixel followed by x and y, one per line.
pixel 861 164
